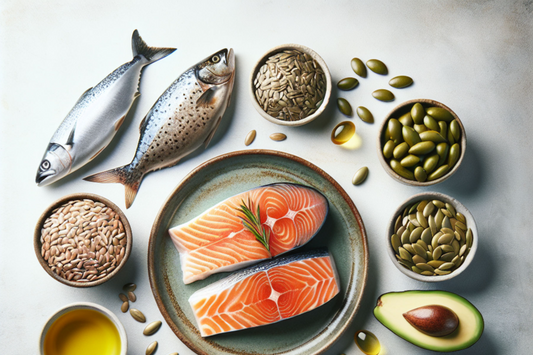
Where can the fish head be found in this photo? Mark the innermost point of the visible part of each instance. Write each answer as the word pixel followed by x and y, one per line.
pixel 55 164
pixel 217 68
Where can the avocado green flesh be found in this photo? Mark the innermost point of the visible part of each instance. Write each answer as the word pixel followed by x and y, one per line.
pixel 391 306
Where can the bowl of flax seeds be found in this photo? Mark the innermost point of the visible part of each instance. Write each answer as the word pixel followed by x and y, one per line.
pixel 82 240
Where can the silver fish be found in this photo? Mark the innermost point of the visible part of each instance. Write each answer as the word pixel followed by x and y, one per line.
pixel 184 117
pixel 93 121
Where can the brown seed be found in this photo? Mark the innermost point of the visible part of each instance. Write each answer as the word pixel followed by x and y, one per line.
pixel 124 307
pixel 137 315
pixel 129 287
pixel 152 328
pixel 151 348
pixel 250 137
pixel 123 297
pixel 278 137
pixel 132 296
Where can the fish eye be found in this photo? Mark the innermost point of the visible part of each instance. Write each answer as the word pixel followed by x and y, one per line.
pixel 45 165
pixel 215 59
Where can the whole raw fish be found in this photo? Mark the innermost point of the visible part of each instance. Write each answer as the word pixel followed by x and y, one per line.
pixel 96 117
pixel 184 117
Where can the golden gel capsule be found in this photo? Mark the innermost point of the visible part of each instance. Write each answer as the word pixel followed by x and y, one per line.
pixel 342 132
pixel 367 342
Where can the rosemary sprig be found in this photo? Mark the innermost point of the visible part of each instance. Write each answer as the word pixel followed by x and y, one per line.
pixel 252 222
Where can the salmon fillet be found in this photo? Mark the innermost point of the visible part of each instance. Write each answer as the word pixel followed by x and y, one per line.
pixel 266 293
pixel 217 241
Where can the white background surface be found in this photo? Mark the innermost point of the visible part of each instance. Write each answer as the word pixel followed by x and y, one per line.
pixel 474 56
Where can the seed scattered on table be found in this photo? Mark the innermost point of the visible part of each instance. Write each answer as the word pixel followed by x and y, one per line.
pixel 152 328
pixel 137 315
pixel 278 137
pixel 250 137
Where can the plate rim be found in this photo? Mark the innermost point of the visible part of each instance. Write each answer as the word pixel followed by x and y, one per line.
pixel 157 221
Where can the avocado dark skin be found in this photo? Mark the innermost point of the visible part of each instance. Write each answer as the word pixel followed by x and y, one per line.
pixel 433 320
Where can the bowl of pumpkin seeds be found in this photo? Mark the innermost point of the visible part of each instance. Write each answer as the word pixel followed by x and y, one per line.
pixel 290 85
pixel 432 237
pixel 421 142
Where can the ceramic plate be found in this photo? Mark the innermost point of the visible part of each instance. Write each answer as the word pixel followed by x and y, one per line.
pixel 343 234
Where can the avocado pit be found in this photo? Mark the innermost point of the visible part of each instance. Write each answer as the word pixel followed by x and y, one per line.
pixel 433 320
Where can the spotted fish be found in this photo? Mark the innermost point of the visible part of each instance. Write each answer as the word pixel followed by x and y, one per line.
pixel 266 293
pixel 184 118
pixel 96 117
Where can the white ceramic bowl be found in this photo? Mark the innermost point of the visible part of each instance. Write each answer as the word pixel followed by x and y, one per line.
pixel 471 223
pixel 86 305
pixel 316 57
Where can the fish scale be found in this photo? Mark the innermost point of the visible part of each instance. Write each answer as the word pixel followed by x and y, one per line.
pixel 184 117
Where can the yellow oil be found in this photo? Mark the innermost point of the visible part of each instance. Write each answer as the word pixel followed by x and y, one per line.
pixel 367 342
pixel 342 132
pixel 82 332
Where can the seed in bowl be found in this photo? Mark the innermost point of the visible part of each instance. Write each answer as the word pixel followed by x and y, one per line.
pixel 83 240
pixel 290 85
pixel 431 238
pixel 423 143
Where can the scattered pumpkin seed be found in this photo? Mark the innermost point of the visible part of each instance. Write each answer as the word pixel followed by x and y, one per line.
pixel 278 137
pixel 401 81
pixel 125 306
pixel 137 315
pixel 383 95
pixel 348 83
pixel 123 297
pixel 151 348
pixel 250 137
pixel 360 176
pixel 365 115
pixel 358 67
pixel 344 106
pixel 132 297
pixel 377 66
pixel 152 328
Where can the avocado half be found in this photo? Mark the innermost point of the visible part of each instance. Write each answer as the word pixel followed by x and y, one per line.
pixel 391 306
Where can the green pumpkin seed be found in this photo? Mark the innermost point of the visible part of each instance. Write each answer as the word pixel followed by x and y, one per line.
pixel 422 148
pixel 409 161
pixel 435 263
pixel 422 244
pixel 360 176
pixel 442 151
pixel 426 236
pixel 456 247
pixel 431 123
pixel 418 113
pixel 447 230
pixel 440 114
pixel 358 67
pixel 417 259
pixel 446 220
pixel 433 136
pixel 400 170
pixel 405 236
pixel 451 138
pixel 438 204
pixel 446 248
pixel 395 130
pixel 419 128
pixel 428 209
pixel 440 172
pixel 409 248
pixel 406 119
pixel 462 233
pixel 460 217
pixel 344 106
pixel 432 225
pixel 422 205
pixel 463 249
pixel 443 128
pixel 389 148
pixel 442 272
pixel 437 252
pixel 410 136
pixel 447 257
pixel 400 150
pixel 398 223
pixel 430 163
pixel 455 129
pixel 421 219
pixel 395 242
pixel 415 269
pixel 414 221
pixel 426 273
pixel 446 214
pixel 446 266
pixel 457 236
pixel 404 254
pixel 414 207
pixel 450 208
pixel 377 66
pixel 420 174
pixel 454 154
pixel 469 238
pixel 419 251
pixel 401 81
pixel 365 115
pixel 383 95
pixel 415 234
pixel 347 83
pixel 425 267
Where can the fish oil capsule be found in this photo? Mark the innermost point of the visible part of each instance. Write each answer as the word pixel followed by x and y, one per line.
pixel 342 132
pixel 367 342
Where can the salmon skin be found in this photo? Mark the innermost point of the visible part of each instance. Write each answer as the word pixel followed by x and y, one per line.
pixel 217 241
pixel 266 293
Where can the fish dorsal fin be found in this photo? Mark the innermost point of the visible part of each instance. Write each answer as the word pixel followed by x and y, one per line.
pixel 206 98
pixel 212 133
pixel 84 94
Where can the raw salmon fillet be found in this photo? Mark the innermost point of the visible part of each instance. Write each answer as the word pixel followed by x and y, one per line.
pixel 217 241
pixel 266 293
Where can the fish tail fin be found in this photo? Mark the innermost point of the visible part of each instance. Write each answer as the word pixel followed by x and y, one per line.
pixel 153 54
pixel 122 176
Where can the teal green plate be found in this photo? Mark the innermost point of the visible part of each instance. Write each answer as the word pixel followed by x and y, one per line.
pixel 343 234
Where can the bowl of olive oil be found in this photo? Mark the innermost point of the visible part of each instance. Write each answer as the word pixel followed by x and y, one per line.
pixel 83 329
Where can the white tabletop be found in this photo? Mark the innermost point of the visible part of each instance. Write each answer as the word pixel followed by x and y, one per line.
pixel 474 56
